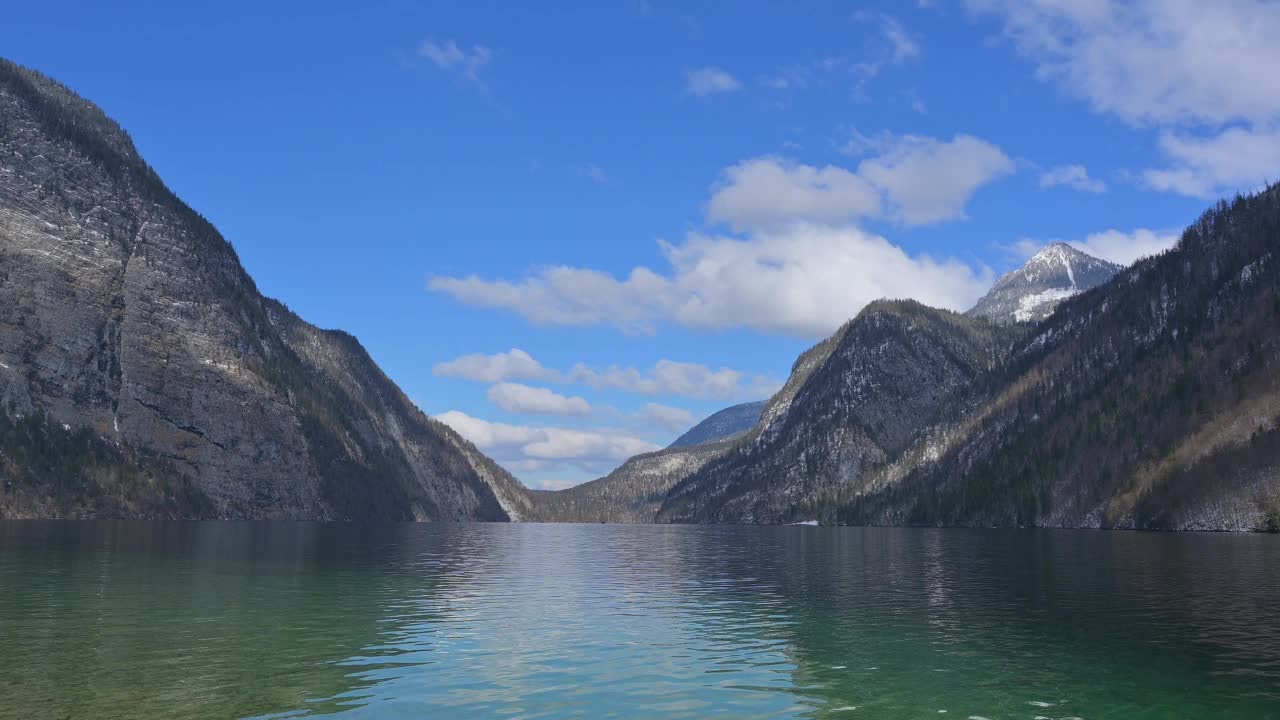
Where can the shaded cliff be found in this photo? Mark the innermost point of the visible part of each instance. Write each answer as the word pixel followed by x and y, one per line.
pixel 128 323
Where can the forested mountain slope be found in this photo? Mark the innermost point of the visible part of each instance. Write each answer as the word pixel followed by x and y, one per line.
pixel 142 374
pixel 720 425
pixel 852 404
pixel 1150 402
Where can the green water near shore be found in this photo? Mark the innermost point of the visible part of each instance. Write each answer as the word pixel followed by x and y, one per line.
pixel 226 620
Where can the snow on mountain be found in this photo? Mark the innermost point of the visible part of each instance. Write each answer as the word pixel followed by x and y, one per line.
pixel 1030 293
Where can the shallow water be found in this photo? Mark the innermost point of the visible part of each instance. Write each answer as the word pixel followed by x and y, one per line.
pixel 223 620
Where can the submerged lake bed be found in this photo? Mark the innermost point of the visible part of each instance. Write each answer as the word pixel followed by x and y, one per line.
pixel 137 619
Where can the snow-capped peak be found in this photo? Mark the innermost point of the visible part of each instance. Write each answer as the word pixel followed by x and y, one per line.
pixel 1053 274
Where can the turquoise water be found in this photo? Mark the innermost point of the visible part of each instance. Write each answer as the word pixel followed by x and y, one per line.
pixel 233 620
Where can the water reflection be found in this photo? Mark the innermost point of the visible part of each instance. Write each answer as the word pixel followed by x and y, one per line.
pixel 276 620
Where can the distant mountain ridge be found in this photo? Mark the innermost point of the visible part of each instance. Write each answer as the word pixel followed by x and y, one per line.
pixel 1030 293
pixel 722 424
pixel 142 374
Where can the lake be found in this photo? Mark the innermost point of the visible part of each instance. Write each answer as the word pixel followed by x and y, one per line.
pixel 276 620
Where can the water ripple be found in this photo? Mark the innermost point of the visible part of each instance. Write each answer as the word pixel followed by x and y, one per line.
pixel 293 619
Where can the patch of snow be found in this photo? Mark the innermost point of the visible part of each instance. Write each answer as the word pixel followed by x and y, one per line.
pixel 1028 304
pixel 1070 275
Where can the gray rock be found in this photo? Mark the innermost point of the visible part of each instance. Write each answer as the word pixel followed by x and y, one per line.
pixel 124 312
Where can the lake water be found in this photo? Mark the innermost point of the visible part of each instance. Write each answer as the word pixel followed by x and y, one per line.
pixel 233 620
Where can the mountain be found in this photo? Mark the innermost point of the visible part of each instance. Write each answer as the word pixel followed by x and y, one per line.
pixel 636 489
pixel 722 424
pixel 1030 293
pixel 142 374
pixel 1151 401
pixel 852 403
pixel 630 494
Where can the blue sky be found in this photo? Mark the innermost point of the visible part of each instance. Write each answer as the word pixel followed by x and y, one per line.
pixel 658 205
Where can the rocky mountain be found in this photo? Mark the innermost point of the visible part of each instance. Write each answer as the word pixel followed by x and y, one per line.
pixel 853 403
pixel 1151 401
pixel 722 424
pixel 1030 293
pixel 143 374
pixel 630 494
pixel 635 490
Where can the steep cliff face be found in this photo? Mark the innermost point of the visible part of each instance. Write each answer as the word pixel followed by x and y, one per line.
pixel 851 405
pixel 127 320
pixel 1030 293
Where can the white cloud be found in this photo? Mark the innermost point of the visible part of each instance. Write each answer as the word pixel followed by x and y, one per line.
pixel 1075 177
pixel 517 398
pixel 928 181
pixel 515 364
pixel 905 47
pixel 710 81
pixel 669 418
pixel 666 377
pixel 448 56
pixel 544 448
pixel 895 46
pixel 914 180
pixel 767 191
pixel 1124 248
pixel 1202 72
pixel 593 172
pixel 1236 159
pixel 569 296
pixel 1117 246
pixel 803 280
pixel 901 44
pixel 797 272
pixel 489 435
pixel 1153 61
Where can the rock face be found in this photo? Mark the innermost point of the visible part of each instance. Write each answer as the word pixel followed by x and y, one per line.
pixel 853 403
pixel 128 324
pixel 723 424
pixel 1030 293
